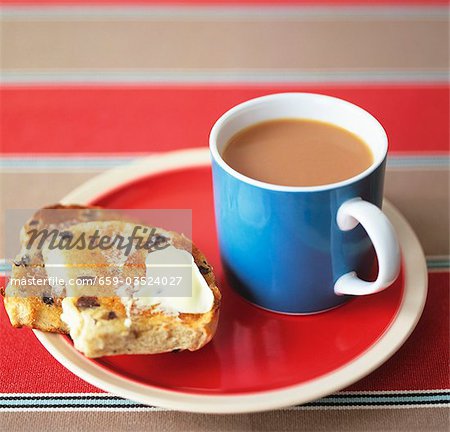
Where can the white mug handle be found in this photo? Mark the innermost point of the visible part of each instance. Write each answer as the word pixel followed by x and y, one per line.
pixel 384 240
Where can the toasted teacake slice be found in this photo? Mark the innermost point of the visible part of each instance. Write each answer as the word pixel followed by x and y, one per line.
pixel 106 324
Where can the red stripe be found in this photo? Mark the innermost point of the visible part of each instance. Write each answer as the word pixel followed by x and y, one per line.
pixel 421 364
pixel 159 118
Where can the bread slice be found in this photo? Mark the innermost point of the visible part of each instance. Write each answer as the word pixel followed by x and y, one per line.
pixel 105 323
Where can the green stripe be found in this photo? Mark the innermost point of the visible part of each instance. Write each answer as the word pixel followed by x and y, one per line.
pixel 438 263
pixel 342 400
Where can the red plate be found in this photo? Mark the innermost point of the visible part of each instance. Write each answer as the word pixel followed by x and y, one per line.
pixel 253 350
pixel 255 353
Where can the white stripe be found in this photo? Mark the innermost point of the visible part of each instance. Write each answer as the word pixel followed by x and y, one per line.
pixel 219 12
pixel 226 76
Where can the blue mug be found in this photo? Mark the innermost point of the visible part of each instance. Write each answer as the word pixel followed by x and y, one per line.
pixel 302 250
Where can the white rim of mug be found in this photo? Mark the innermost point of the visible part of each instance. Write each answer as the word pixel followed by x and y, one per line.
pixel 270 98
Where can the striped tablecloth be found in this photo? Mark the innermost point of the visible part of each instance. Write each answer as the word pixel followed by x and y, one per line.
pixel 88 87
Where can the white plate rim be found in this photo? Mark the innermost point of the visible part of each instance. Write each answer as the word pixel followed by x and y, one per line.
pixel 413 301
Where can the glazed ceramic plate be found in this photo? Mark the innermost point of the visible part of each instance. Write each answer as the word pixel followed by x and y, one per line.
pixel 258 360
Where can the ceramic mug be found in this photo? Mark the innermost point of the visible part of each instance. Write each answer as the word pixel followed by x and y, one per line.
pixel 303 249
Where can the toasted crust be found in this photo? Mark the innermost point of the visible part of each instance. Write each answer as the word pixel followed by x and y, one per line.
pixel 33 311
pixel 105 328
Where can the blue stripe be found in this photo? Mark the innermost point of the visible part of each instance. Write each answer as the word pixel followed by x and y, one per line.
pixel 412 161
pixel 223 77
pixel 404 398
pixel 80 163
pixel 42 163
pixel 104 401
